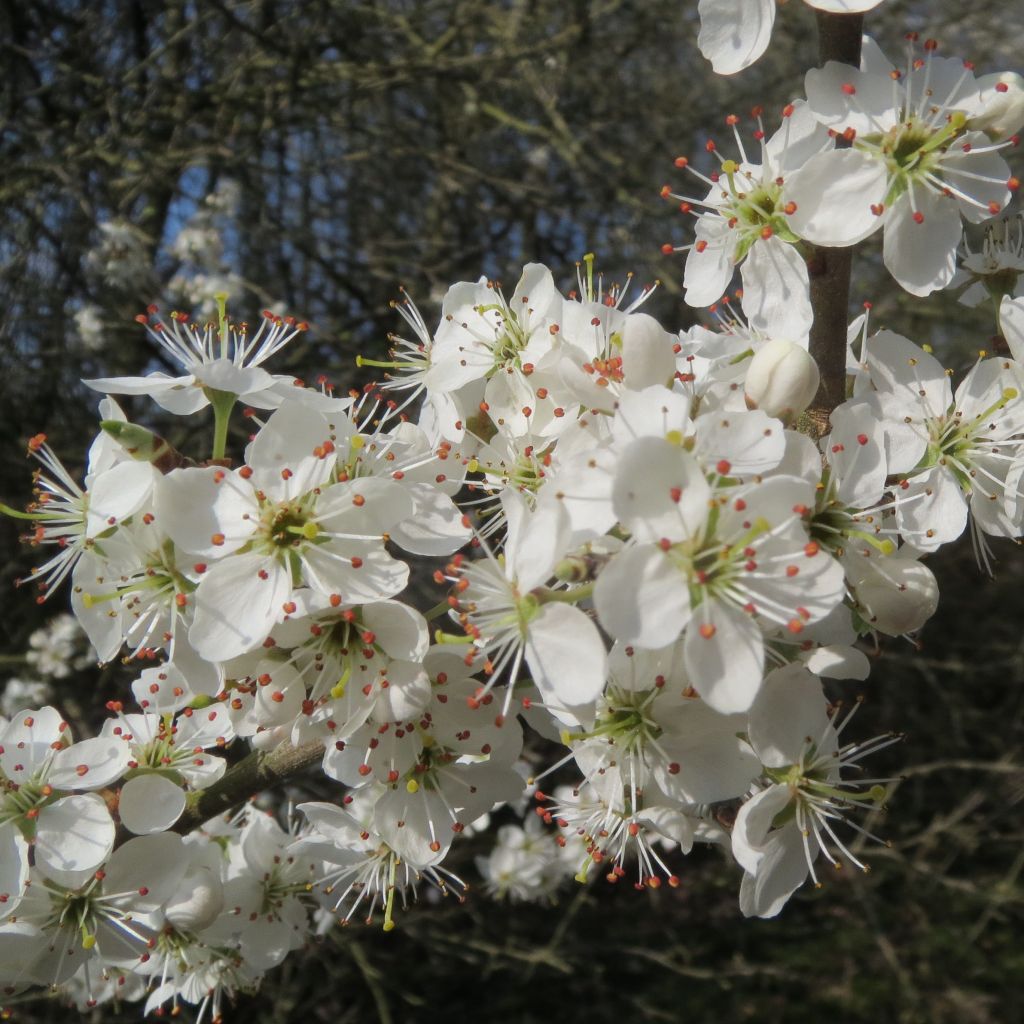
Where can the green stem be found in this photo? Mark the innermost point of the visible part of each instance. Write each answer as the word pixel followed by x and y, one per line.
pixel 546 596
pixel 222 402
pixel 439 609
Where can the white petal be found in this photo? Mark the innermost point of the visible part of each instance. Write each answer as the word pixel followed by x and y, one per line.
pixel 789 713
pixel 90 764
pixel 922 256
pixel 566 655
pixel 118 493
pixel 734 33
pixel 13 867
pixel 150 803
pixel 74 836
pixel 724 656
pixel 236 607
pixel 753 822
pixel 206 511
pixel 642 598
pixel 709 269
pixel 834 193
pixel 147 870
pixel 776 293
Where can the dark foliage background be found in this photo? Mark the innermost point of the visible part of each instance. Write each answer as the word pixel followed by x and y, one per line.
pixel 377 143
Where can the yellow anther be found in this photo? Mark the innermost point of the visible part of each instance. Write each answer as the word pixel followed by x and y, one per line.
pixel 412 786
pixel 310 531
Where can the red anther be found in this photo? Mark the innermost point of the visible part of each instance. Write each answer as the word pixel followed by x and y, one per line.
pixel 1013 184
pixel 731 119
pixel 666 192
pixel 791 571
pixel 739 505
pixel 667 249
pixel 142 319
pixel 756 112
pixel 766 232
pixel 180 600
pixel 789 208
pixel 217 539
pixel 673 768
pixel 665 544
pixel 931 45
pixel 675 493
pixel 707 630
pixel 800 510
pixel 365 769
pixel 919 216
pixel 787 110
pixel 633 829
pixel 199 567
pixel 289 607
pixel 356 562
pixel 700 245
pixel 862 439
pixel 286 474
pixel 710 145
pixel 723 466
pixel 811 548
pixel 81 769
pixel 795 626
pixel 681 161
pixel 335 600
pixel 994 207
pixel 277 697
pixel 849 134
pixel 849 89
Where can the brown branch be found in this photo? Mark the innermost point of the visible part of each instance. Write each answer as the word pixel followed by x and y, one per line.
pixel 258 771
pixel 839 37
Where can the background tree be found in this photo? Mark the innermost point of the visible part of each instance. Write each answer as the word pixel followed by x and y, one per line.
pixel 359 146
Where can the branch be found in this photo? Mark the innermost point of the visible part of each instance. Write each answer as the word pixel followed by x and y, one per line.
pixel 258 771
pixel 839 37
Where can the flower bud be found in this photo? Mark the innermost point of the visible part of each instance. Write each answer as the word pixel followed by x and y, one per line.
pixel 1003 113
pixel 782 380
pixel 896 595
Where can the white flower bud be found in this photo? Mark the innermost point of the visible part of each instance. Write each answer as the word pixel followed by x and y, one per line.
pixel 896 595
pixel 1003 114
pixel 782 380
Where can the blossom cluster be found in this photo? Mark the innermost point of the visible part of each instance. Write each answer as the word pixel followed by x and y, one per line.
pixel 646 556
